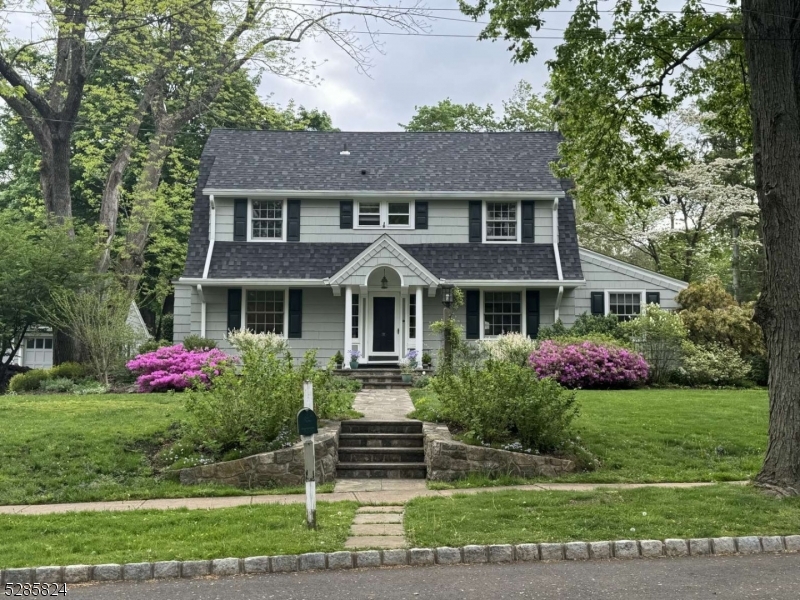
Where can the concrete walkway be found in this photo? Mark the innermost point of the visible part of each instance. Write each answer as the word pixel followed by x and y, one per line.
pixel 377 527
pixel 366 498
pixel 383 405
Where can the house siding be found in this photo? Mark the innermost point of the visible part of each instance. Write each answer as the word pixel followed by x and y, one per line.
pixel 448 222
pixel 182 324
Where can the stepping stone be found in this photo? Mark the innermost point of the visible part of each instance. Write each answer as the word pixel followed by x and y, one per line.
pixel 364 518
pixel 377 529
pixel 379 509
pixel 376 541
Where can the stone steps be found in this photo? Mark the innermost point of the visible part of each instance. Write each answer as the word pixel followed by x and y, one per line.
pixel 377 378
pixel 381 450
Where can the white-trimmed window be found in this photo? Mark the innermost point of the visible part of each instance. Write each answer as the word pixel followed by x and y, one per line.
pixel 268 220
pixel 265 310
pixel 502 313
pixel 384 214
pixel 625 305
pixel 501 221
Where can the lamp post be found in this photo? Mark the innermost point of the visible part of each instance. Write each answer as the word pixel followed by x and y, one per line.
pixel 447 301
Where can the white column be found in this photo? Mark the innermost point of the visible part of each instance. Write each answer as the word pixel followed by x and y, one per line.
pixel 418 344
pixel 348 324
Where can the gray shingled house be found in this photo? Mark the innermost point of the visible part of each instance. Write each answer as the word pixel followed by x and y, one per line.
pixel 342 240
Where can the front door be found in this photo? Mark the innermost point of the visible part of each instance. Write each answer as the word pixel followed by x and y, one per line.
pixel 383 324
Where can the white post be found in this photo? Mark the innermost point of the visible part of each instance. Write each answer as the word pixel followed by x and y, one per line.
pixel 348 324
pixel 418 343
pixel 310 462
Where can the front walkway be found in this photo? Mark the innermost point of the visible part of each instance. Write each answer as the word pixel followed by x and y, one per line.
pixel 383 405
pixel 367 498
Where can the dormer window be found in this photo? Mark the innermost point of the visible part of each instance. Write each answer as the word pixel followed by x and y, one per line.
pixel 267 220
pixel 501 222
pixel 384 214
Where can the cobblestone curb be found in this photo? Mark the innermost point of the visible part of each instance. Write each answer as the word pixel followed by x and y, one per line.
pixel 501 553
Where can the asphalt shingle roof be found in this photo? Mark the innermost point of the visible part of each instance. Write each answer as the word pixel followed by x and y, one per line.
pixel 395 161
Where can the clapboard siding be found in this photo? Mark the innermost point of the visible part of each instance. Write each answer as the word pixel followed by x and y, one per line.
pixel 224 232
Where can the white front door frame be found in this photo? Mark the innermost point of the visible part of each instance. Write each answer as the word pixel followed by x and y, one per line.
pixel 398 328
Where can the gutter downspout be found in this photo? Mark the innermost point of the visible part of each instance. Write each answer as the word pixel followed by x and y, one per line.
pixel 555 240
pixel 212 233
pixel 202 310
pixel 557 312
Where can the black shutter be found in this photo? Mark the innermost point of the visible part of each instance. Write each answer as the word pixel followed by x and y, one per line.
pixel 475 215
pixel 240 219
pixel 527 221
pixel 532 312
pixel 473 302
pixel 346 214
pixel 293 221
pixel 234 308
pixel 598 303
pixel 420 215
pixel 295 313
pixel 654 298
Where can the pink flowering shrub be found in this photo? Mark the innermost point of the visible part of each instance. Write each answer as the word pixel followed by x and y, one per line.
pixel 589 365
pixel 176 368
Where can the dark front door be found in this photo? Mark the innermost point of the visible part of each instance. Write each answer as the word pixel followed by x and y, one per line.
pixel 383 324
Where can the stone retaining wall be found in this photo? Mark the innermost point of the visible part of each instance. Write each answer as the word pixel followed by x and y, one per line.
pixel 448 460
pixel 282 467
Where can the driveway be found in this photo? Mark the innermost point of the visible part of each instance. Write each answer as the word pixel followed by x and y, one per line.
pixel 774 577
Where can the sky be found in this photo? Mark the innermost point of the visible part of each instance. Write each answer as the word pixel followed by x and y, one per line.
pixel 413 71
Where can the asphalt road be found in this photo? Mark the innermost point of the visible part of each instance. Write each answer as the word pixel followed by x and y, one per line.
pixel 763 577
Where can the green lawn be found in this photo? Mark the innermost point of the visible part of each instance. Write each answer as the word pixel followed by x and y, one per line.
pixel 645 513
pixel 64 448
pixel 669 434
pixel 120 537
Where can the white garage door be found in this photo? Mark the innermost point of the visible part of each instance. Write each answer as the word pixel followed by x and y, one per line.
pixel 38 352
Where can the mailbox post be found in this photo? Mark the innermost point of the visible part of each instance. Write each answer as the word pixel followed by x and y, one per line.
pixel 307 427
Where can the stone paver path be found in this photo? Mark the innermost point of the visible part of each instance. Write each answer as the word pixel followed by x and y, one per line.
pixel 366 498
pixel 377 527
pixel 380 485
pixel 383 405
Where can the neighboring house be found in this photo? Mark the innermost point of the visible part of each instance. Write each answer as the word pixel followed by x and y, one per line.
pixel 36 350
pixel 341 241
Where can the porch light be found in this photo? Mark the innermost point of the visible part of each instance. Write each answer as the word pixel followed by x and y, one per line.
pixel 384 281
pixel 447 295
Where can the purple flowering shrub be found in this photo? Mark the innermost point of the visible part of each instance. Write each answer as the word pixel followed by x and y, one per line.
pixel 589 365
pixel 176 368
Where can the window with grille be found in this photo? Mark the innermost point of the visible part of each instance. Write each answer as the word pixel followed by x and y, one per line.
pixel 354 324
pixel 267 220
pixel 501 221
pixel 502 313
pixel 412 316
pixel 39 343
pixel 384 215
pixel 625 305
pixel 265 311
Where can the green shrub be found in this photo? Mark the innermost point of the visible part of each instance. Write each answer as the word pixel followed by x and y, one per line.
pixel 712 365
pixel 195 342
pixel 338 359
pixel 422 381
pixel 27 382
pixel 427 407
pixel 759 369
pixel 499 401
pixel 511 347
pixel 658 335
pixel 348 384
pixel 69 370
pixel 152 346
pixel 587 325
pixel 255 409
pixel 552 332
pixel 58 385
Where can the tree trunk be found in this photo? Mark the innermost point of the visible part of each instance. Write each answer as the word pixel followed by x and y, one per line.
pixel 735 266
pixel 772 45
pixel 54 173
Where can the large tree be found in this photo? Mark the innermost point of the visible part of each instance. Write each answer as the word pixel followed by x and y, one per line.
pixel 616 74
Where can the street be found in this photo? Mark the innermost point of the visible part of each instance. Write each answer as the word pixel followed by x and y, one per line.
pixel 742 577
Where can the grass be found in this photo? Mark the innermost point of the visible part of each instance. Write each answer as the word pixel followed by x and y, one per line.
pixel 120 537
pixel 659 435
pixel 60 448
pixel 645 513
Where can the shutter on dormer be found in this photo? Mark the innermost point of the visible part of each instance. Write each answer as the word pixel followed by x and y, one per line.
pixel 598 303
pixel 475 221
pixel 420 215
pixel 527 221
pixel 293 221
pixel 653 298
pixel 473 306
pixel 346 214
pixel 240 219
pixel 532 313
pixel 295 313
pixel 234 308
